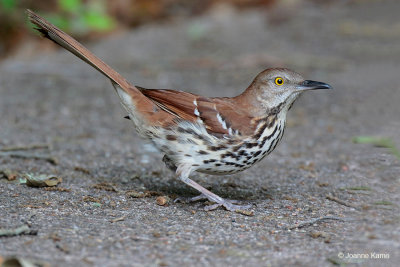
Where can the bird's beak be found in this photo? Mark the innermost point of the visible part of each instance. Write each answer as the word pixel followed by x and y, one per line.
pixel 312 85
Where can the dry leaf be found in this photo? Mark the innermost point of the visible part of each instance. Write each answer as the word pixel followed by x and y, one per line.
pixel 22 230
pixel 8 174
pixel 21 262
pixel 42 180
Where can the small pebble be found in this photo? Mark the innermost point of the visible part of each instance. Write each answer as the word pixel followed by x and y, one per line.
pixel 162 200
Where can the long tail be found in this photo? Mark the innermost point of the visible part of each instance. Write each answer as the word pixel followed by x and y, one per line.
pixel 61 38
pixel 143 111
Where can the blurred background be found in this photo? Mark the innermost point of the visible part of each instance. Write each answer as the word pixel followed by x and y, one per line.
pixel 91 19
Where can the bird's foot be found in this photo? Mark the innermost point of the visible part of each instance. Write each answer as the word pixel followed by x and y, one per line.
pixel 228 205
pixel 183 172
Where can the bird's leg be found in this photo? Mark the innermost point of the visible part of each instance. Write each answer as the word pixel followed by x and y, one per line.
pixel 183 171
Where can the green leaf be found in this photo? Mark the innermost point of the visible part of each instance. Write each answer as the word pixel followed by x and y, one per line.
pixel 8 5
pixel 363 188
pixel 378 141
pixel 60 21
pixel 71 6
pixel 196 31
pixel 98 21
pixel 383 202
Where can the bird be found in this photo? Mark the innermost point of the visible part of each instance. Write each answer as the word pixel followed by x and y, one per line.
pixel 212 135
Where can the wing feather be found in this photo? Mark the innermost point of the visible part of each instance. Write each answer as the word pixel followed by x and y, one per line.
pixel 213 112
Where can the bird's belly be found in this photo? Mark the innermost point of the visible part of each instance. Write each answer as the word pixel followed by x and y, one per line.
pixel 213 155
pixel 238 158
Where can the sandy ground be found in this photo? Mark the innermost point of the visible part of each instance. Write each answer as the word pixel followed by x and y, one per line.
pixel 52 98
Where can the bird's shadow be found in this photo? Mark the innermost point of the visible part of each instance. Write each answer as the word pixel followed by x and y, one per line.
pixel 227 187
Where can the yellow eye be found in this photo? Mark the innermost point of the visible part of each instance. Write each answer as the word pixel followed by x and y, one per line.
pixel 279 81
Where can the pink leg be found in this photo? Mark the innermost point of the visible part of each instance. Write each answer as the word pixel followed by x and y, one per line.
pixel 183 172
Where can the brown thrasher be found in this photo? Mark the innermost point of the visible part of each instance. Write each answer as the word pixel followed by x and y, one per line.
pixel 215 135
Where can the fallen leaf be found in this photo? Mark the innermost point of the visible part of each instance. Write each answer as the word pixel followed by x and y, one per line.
pixel 42 180
pixel 22 230
pixel 8 174
pixel 21 262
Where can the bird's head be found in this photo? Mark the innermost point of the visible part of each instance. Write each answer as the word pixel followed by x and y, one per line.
pixel 279 88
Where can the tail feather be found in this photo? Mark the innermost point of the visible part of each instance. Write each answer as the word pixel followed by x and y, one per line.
pixel 142 110
pixel 51 32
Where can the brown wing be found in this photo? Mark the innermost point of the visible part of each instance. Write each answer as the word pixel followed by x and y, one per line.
pixel 213 112
pixel 178 103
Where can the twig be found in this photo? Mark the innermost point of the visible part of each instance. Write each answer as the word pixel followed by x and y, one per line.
pixel 245 212
pixel 313 221
pixel 59 189
pixel 118 219
pixel 25 155
pixel 106 187
pixel 22 230
pixel 341 202
pixel 27 147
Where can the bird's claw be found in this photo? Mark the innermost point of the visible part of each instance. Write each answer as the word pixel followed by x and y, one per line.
pixel 228 205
